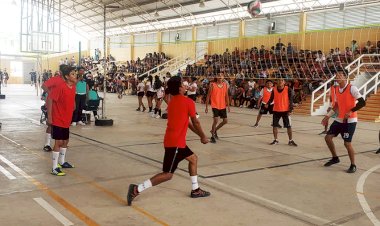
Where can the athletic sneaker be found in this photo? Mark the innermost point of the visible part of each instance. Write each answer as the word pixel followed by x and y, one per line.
pixel 274 142
pixel 81 123
pixel 352 169
pixel 255 126
pixel 153 115
pixel 58 172
pixel 138 109
pixel 199 193
pixel 73 124
pixel 47 148
pixel 66 165
pixel 158 116
pixel 292 143
pixel 216 135
pixel 332 161
pixel 212 139
pixel 144 108
pixel 378 151
pixel 132 193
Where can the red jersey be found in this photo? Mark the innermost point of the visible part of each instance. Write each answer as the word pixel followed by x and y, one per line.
pixel 180 108
pixel 54 82
pixel 63 98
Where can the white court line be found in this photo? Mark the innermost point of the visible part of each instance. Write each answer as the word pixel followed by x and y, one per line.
pixel 280 206
pixel 360 193
pixel 53 212
pixel 15 168
pixel 7 173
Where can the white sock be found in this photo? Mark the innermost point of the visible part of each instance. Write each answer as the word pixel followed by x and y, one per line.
pixel 55 156
pixel 48 139
pixel 194 182
pixel 141 187
pixel 62 153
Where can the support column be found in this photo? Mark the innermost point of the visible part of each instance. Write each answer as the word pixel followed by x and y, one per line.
pixel 159 41
pixel 108 41
pixel 241 34
pixel 132 43
pixel 194 42
pixel 302 30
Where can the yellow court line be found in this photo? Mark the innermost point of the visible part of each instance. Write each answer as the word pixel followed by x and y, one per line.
pixel 96 185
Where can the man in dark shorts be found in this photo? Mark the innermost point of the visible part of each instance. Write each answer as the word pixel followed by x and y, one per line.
pixel 61 103
pixel 283 106
pixel 378 150
pixel 346 107
pixel 179 110
pixel 265 95
pixel 218 95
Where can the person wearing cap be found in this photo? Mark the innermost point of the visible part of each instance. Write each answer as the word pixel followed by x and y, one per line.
pixel 282 96
pixel 346 96
pixel 80 98
pixel 265 95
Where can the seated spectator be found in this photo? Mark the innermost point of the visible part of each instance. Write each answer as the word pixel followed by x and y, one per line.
pixel 368 48
pixel 290 49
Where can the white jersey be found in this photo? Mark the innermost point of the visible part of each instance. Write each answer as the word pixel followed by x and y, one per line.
pixel 149 86
pixel 193 85
pixel 185 85
pixel 160 92
pixel 140 87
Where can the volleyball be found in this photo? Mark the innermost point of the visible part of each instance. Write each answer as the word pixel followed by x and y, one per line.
pixel 254 8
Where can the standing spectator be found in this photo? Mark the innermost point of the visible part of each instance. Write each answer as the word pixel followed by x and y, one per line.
pixel 80 99
pixel 354 47
pixel 218 94
pixel 279 46
pixel 150 92
pixel 33 77
pixel 140 94
pixel 60 109
pixel 6 77
pixel 283 106
pixel 346 96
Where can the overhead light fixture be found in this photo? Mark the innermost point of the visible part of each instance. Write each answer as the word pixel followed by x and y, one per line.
pixel 342 6
pixel 156 12
pixel 202 4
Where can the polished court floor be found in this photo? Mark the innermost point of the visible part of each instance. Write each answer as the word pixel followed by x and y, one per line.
pixel 251 182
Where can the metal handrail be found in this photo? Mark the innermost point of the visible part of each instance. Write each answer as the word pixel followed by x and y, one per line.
pixel 374 87
pixel 158 66
pixel 360 64
pixel 325 91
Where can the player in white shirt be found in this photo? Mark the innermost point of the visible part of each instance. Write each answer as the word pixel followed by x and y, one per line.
pixel 150 92
pixel 192 91
pixel 160 92
pixel 140 94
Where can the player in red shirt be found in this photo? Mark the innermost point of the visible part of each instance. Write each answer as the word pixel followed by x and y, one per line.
pixel 47 87
pixel 179 110
pixel 61 103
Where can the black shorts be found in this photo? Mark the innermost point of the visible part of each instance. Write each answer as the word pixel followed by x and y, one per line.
pixel 285 119
pixel 193 97
pixel 173 156
pixel 264 110
pixel 346 130
pixel 150 94
pixel 222 113
pixel 59 133
pixel 140 94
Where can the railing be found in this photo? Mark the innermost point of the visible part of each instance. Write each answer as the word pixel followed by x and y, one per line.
pixel 147 73
pixel 366 90
pixel 322 95
pixel 359 62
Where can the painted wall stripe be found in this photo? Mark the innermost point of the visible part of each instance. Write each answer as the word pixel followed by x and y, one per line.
pixel 360 194
pixel 52 194
pixel 7 173
pixel 53 211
